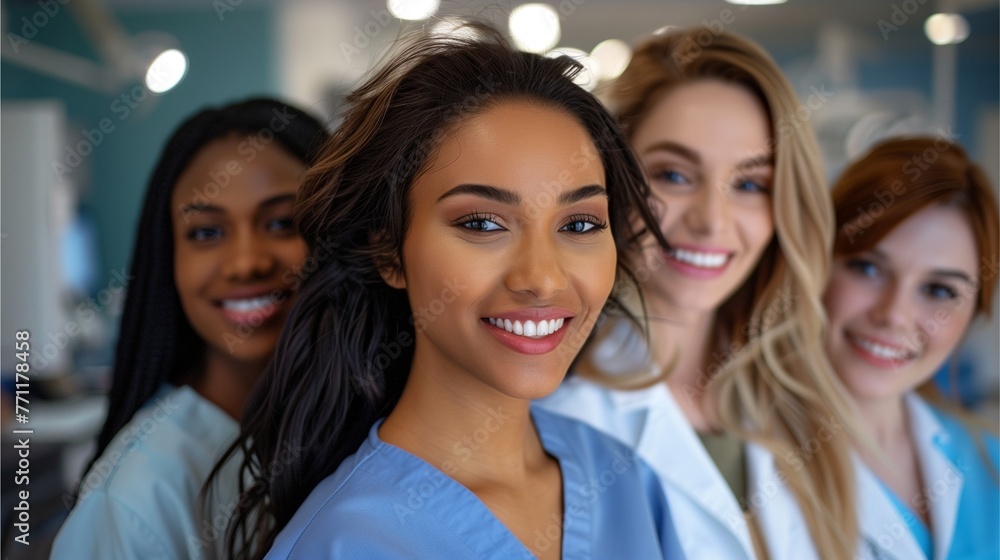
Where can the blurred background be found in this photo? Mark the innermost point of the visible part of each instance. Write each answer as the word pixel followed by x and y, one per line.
pixel 90 90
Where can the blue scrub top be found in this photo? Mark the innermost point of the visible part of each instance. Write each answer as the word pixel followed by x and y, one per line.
pixel 977 523
pixel 383 502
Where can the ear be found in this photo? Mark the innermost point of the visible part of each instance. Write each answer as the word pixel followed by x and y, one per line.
pixel 393 276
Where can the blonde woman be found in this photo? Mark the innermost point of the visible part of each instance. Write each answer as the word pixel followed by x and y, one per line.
pixel 732 398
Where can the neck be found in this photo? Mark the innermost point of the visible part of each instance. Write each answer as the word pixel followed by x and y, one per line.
pixel 471 432
pixel 681 341
pixel 885 420
pixel 227 382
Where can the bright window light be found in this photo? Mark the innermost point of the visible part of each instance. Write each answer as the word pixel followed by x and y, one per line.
pixel 166 71
pixel 534 27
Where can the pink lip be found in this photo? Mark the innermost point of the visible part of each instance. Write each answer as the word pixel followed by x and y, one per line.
pixel 878 360
pixel 692 271
pixel 525 345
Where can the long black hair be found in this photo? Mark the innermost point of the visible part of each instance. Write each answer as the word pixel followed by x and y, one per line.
pixel 339 364
pixel 156 343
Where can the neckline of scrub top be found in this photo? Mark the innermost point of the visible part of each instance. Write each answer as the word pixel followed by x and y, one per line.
pixel 921 533
pixel 461 509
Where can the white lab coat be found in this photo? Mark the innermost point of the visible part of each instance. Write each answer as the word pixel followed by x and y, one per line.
pixel 884 533
pixel 707 515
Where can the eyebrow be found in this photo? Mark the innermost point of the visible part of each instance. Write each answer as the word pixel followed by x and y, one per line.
pixel 212 209
pixel 762 160
pixel 511 198
pixel 674 147
pixel 940 272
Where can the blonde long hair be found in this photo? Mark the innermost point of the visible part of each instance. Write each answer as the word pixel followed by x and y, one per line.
pixel 776 387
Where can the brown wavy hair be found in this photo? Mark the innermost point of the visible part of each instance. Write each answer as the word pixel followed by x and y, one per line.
pixel 897 179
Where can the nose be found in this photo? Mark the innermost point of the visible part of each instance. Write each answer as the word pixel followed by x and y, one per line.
pixel 709 212
pixel 892 309
pixel 536 269
pixel 247 257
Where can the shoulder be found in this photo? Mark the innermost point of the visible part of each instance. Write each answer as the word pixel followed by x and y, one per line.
pixel 152 471
pixel 172 442
pixel 102 525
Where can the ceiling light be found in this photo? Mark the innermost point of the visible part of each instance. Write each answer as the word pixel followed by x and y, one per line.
pixel 413 9
pixel 534 27
pixel 612 56
pixel 946 29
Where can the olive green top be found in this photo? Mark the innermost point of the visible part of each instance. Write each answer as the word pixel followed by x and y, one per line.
pixel 726 451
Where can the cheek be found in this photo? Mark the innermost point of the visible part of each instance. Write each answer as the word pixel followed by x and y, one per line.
pixel 844 300
pixel 757 225
pixel 595 272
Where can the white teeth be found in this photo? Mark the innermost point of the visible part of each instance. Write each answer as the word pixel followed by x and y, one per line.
pixel 247 305
pixel 529 328
pixel 701 260
pixel 879 350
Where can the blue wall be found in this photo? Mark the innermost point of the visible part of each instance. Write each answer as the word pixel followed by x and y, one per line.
pixel 229 59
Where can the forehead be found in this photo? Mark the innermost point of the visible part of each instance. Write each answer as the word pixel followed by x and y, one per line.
pixel 706 114
pixel 938 237
pixel 235 171
pixel 517 146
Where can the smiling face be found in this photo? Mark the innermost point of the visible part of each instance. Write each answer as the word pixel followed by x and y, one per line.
pixel 235 252
pixel 896 312
pixel 704 150
pixel 508 259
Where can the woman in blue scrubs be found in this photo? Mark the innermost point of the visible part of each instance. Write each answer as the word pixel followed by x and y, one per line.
pixel 212 279
pixel 466 221
pixel 915 262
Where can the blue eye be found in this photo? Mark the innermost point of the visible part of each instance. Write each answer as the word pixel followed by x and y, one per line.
pixel 584 224
pixel 670 176
pixel 205 234
pixel 750 186
pixel 863 267
pixel 940 292
pixel 479 223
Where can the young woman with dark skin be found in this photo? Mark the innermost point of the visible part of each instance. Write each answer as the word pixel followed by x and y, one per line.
pixel 214 276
